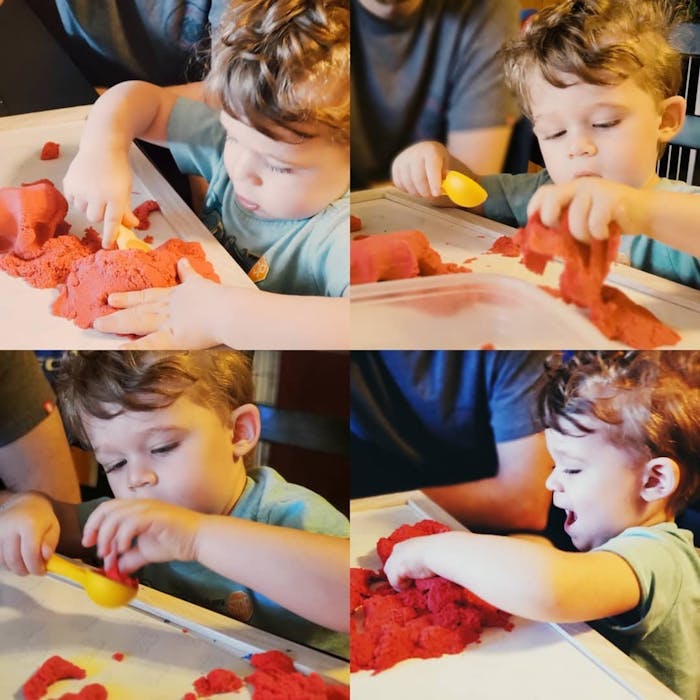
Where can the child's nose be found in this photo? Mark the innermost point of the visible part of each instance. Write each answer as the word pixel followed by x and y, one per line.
pixel 552 483
pixel 582 144
pixel 141 475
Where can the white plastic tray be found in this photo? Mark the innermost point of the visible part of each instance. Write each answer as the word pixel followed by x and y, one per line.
pixel 26 320
pixel 393 314
pixel 533 660
pixel 167 643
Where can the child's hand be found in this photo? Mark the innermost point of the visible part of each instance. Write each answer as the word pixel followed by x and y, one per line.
pixel 593 204
pixel 420 169
pixel 139 531
pixel 407 560
pixel 183 316
pixel 29 532
pixel 98 182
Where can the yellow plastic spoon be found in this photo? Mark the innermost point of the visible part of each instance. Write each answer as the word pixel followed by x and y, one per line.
pixel 463 190
pixel 126 239
pixel 100 588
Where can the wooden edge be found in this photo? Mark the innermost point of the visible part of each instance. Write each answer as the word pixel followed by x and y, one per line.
pixel 32 120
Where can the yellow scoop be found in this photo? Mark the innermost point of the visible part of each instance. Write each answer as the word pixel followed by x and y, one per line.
pixel 100 588
pixel 463 190
pixel 126 239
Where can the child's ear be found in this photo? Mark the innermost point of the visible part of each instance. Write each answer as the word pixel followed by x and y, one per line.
pixel 245 429
pixel 672 117
pixel 661 477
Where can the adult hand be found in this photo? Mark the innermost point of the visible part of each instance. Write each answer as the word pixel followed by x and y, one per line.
pixel 183 316
pixel 98 182
pixel 139 531
pixel 29 532
pixel 420 169
pixel 594 204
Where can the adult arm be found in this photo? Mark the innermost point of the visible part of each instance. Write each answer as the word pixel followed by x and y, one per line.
pixel 483 149
pixel 514 499
pixel 40 460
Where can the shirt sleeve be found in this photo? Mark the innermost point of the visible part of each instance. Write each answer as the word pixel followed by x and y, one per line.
pixel 659 575
pixel 333 257
pixel 24 391
pixel 196 138
pixel 509 195
pixel 480 98
pixel 512 379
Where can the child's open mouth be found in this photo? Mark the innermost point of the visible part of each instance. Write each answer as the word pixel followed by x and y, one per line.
pixel 570 520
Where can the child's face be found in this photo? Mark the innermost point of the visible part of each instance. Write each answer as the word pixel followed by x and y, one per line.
pixel 182 454
pixel 609 131
pixel 274 179
pixel 597 484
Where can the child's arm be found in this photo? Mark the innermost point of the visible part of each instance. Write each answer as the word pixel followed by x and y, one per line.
pixel 420 169
pixel 523 578
pixel 98 180
pixel 199 313
pixel 305 572
pixel 32 527
pixel 669 217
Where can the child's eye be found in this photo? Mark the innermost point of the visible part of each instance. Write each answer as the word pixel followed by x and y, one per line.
pixel 572 471
pixel 606 125
pixel 111 467
pixel 555 135
pixel 164 448
pixel 279 169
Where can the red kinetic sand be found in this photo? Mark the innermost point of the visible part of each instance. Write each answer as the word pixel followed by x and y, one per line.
pixel 395 255
pixel 29 216
pixel 53 669
pixel 581 282
pixel 50 151
pixel 429 618
pixel 83 297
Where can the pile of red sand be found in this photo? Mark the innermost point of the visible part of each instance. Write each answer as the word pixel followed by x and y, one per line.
pixel 394 256
pixel 506 246
pixel 50 150
pixel 29 216
pixel 91 280
pixel 429 618
pixel 581 282
pixel 35 247
pixel 274 678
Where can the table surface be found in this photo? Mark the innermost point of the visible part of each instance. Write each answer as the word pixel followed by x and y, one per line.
pixel 25 312
pixel 167 643
pixel 388 314
pixel 534 660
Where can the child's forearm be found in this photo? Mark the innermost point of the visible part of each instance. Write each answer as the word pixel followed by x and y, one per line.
pixel 674 219
pixel 304 572
pixel 129 110
pixel 533 581
pixel 305 322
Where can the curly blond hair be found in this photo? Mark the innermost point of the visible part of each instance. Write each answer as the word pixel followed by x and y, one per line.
pixel 601 42
pixel 284 64
pixel 647 403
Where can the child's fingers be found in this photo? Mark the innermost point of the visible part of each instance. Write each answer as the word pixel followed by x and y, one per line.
pixel 434 172
pixel 159 340
pixel 10 555
pixel 599 219
pixel 113 215
pixel 131 561
pixel 31 555
pixel 140 320
pixel 578 215
pixel 95 211
pixel 124 300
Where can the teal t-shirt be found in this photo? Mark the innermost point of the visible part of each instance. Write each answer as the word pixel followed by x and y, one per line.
pixel 267 498
pixel 662 633
pixel 305 256
pixel 509 196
